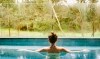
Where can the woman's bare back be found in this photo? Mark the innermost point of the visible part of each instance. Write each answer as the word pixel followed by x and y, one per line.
pixel 54 49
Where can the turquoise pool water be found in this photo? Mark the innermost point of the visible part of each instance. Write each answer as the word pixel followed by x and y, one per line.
pixel 15 48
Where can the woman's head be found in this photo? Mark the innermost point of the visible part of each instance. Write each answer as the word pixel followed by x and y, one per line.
pixel 52 38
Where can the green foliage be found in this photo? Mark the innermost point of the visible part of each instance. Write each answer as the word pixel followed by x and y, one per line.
pixel 42 26
pixel 39 16
pixel 6 1
pixel 55 1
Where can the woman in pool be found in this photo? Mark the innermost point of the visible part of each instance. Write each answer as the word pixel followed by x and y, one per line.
pixel 53 50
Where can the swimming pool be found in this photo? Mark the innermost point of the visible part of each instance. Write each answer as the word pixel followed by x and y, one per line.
pixel 14 48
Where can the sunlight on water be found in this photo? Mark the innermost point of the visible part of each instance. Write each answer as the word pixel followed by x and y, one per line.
pixel 1 52
pixel 86 50
pixel 73 56
pixel 85 56
pixel 79 55
pixel 21 57
pixel 98 56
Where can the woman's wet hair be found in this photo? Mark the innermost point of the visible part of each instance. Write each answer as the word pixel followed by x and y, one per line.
pixel 52 37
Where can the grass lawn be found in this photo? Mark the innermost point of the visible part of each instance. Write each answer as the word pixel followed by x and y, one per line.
pixel 4 33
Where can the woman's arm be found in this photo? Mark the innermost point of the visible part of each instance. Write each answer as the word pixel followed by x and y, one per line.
pixel 26 50
pixel 65 50
pixel 76 51
pixel 39 50
pixel 42 50
pixel 71 51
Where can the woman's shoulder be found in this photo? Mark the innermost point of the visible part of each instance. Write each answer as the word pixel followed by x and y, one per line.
pixel 63 49
pixel 60 47
pixel 46 48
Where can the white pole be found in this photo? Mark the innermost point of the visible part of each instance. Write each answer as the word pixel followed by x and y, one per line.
pixel 59 25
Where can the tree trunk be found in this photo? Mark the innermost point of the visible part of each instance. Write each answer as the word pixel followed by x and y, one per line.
pixel 59 25
pixel 93 19
pixel 93 28
pixel 9 27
